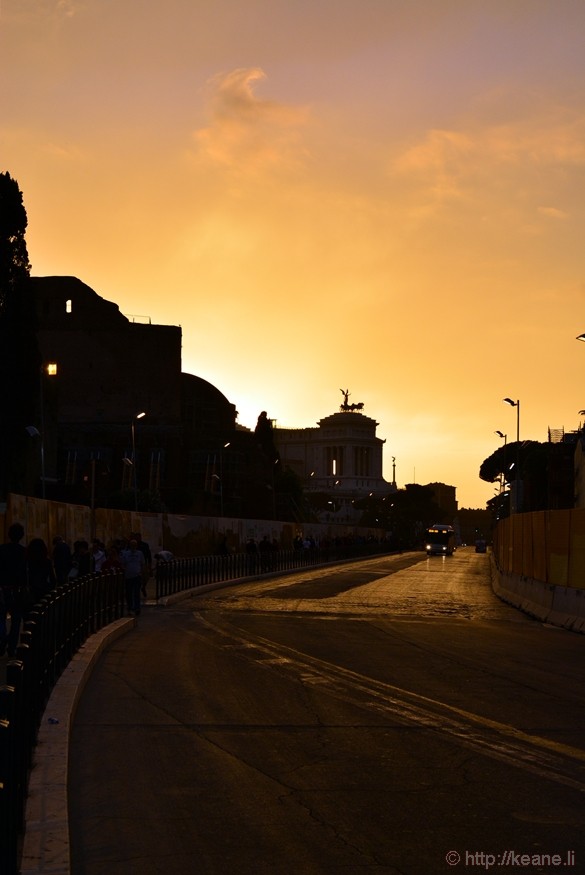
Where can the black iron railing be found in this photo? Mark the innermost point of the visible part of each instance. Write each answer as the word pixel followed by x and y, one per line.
pixel 53 632
pixel 179 575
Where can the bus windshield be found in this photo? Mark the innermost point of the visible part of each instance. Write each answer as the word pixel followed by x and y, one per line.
pixel 438 536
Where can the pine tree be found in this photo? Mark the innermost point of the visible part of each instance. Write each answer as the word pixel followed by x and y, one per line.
pixel 19 356
pixel 14 264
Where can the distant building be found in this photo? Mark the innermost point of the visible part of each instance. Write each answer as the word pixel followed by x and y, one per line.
pixel 579 472
pixel 110 368
pixel 187 449
pixel 339 461
pixel 562 468
pixel 474 524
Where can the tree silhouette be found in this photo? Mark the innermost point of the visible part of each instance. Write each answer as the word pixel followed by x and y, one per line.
pixel 14 264
pixel 503 461
pixel 405 513
pixel 533 459
pixel 19 355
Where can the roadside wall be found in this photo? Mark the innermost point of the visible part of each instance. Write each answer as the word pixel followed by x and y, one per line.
pixel 183 535
pixel 540 565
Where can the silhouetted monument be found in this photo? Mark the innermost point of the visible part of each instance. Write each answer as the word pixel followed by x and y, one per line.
pixel 346 406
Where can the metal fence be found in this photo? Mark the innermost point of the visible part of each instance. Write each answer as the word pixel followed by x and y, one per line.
pixel 180 575
pixel 53 632
pixel 59 625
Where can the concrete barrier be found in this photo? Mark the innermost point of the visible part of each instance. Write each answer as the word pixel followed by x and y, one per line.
pixel 558 605
pixel 568 609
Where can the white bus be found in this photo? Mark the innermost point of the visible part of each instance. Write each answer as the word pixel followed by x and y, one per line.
pixel 440 540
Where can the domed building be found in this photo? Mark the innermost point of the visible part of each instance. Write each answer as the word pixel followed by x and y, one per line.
pixel 119 415
pixel 339 461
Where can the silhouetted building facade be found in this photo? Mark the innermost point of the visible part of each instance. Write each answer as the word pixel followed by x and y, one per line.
pixel 562 468
pixel 110 369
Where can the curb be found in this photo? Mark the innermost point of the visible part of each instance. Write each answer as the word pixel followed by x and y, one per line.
pixel 46 838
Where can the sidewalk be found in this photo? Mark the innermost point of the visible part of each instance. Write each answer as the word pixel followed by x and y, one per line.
pixel 46 842
pixel 46 839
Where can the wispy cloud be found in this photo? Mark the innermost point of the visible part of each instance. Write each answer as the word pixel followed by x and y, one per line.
pixel 552 212
pixel 246 132
pixel 67 7
pixel 39 10
pixel 439 161
pixel 527 159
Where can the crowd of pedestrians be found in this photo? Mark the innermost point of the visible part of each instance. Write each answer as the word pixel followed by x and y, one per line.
pixel 27 574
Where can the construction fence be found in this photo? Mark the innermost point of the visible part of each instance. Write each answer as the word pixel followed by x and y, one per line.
pixel 183 535
pixel 546 546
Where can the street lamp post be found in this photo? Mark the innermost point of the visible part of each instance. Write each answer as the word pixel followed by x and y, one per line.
pixel 134 472
pixel 50 370
pixel 505 439
pixel 516 404
pixel 220 484
pixel 225 446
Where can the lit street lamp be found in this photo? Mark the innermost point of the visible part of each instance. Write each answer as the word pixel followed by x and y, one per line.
pixel 516 404
pixel 220 478
pixel 50 369
pixel 137 416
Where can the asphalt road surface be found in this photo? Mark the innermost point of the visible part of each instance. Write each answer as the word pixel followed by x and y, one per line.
pixel 387 716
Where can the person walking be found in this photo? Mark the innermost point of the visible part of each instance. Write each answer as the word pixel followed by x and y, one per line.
pixel 81 559
pixel 145 550
pixel 40 572
pixel 13 585
pixel 134 563
pixel 98 555
pixel 61 559
pixel 252 555
pixel 112 562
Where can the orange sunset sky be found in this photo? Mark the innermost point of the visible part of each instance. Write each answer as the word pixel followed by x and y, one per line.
pixel 380 195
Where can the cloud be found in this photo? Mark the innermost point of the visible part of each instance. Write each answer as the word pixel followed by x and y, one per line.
pixel 68 8
pixel 40 12
pixel 440 159
pixel 552 212
pixel 245 132
pixel 525 159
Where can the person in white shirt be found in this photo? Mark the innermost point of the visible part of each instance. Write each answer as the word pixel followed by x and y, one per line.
pixel 98 555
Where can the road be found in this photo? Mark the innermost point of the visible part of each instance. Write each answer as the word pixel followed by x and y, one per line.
pixel 388 716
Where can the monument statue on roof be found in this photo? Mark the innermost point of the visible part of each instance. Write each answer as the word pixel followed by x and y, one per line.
pixel 346 407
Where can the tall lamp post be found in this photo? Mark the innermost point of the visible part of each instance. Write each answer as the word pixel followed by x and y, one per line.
pixel 516 404
pixel 225 446
pixel 505 439
pixel 50 370
pixel 135 477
